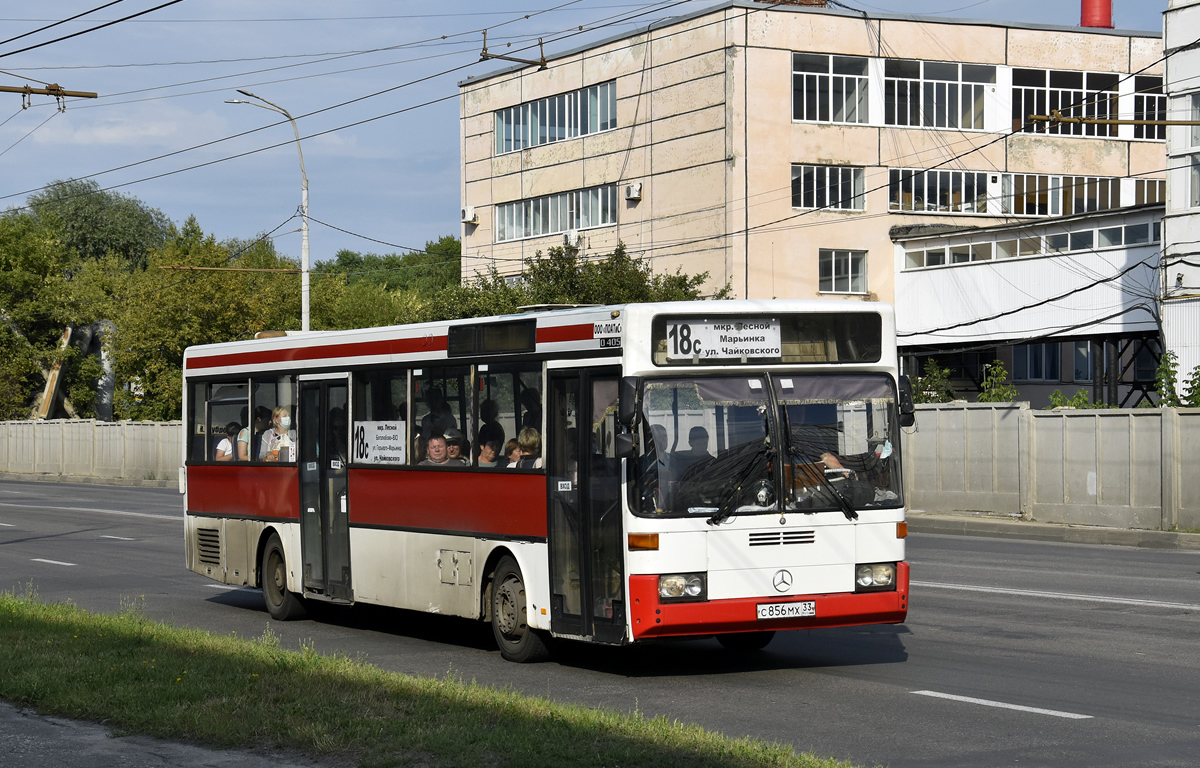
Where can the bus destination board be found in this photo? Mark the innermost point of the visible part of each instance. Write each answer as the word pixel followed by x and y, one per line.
pixel 723 339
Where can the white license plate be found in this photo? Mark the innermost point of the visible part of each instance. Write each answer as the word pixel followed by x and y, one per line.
pixel 786 610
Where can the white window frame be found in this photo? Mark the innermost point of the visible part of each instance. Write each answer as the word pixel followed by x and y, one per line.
pixel 554 214
pixel 852 277
pixel 829 187
pixel 1084 100
pixel 1149 103
pixel 839 94
pixel 927 99
pixel 1040 356
pixel 938 186
pixel 592 109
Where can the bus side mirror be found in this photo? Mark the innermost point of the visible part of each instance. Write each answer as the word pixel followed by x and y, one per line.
pixel 908 416
pixel 624 446
pixel 627 410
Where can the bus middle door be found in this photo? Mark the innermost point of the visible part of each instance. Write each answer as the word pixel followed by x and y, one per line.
pixel 324 514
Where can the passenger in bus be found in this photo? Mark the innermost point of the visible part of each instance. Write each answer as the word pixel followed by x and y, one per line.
pixel 439 419
pixel 455 448
pixel 436 454
pixel 253 435
pixel 530 442
pixel 512 453
pixel 279 443
pixel 489 427
pixel 489 454
pixel 225 449
pixel 682 461
pixel 531 399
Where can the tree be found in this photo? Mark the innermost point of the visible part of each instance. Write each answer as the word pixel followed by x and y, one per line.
pixel 424 273
pixel 95 223
pixel 934 386
pixel 996 386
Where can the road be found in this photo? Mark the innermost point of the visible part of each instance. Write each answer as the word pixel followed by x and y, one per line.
pixel 1015 652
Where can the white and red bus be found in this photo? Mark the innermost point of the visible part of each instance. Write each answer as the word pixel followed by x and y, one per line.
pixel 719 468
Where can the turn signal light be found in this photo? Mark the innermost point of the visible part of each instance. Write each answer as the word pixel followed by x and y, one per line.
pixel 901 530
pixel 643 541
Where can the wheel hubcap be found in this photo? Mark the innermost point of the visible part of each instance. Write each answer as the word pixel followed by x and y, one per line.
pixel 507 611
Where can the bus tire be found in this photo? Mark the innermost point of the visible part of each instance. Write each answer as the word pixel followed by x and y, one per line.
pixel 746 641
pixel 281 604
pixel 516 639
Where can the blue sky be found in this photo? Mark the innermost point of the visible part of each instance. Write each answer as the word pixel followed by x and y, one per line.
pixel 384 166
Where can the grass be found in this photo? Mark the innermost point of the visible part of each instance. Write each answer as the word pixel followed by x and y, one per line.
pixel 141 676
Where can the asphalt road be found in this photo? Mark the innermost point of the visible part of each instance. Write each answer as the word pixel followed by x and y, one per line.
pixel 1015 652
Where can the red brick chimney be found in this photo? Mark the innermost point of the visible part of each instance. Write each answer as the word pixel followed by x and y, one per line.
pixel 1096 13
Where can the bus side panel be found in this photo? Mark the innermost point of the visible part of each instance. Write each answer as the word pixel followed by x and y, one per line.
pixel 500 503
pixel 239 490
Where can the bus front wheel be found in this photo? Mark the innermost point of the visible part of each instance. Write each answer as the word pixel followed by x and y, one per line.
pixel 281 604
pixel 517 640
pixel 746 641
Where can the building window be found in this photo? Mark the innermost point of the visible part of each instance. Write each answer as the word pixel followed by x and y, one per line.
pixel 843 271
pixel 1147 191
pixel 941 191
pixel 1149 103
pixel 1027 194
pixel 820 186
pixel 1195 118
pixel 557 118
pixel 1073 94
pixel 551 214
pixel 829 89
pixel 1145 361
pixel 1036 362
pixel 1083 362
pixel 935 94
pixel 1195 184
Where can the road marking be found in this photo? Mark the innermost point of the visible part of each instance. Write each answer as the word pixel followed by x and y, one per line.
pixel 51 562
pixel 1060 595
pixel 1002 705
pixel 225 586
pixel 118 538
pixel 92 509
pixel 8 525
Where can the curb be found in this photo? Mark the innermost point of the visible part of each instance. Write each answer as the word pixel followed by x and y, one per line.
pixel 960 525
pixel 128 482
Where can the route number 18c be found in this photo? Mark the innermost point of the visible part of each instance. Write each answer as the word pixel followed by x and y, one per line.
pixel 682 343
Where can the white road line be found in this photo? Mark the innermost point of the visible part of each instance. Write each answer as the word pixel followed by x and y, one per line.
pixel 1060 595
pixel 225 586
pixel 118 538
pixel 1002 705
pixel 8 525
pixel 51 562
pixel 92 509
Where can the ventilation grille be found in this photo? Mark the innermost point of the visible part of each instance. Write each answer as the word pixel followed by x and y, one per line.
pixel 775 538
pixel 208 544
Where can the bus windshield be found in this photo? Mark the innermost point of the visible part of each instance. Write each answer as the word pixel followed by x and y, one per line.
pixel 729 445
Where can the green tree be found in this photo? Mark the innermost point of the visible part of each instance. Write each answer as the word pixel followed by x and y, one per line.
pixel 996 385
pixel 1079 400
pixel 934 386
pixel 1191 392
pixel 1166 380
pixel 424 273
pixel 95 223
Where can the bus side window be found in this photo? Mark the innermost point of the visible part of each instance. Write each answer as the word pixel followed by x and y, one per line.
pixel 380 432
pixel 274 441
pixel 504 391
pixel 226 404
pixel 441 399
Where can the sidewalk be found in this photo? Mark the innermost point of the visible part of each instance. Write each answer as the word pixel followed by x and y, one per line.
pixel 1013 528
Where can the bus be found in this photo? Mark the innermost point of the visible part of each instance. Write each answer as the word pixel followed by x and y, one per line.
pixel 604 474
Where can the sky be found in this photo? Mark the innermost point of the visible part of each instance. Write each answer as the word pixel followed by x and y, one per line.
pixel 372 85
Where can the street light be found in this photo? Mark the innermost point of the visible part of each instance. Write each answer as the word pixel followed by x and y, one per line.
pixel 304 282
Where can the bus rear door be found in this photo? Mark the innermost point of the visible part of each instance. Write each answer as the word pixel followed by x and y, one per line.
pixel 324 513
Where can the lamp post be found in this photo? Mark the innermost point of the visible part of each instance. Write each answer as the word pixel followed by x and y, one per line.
pixel 304 279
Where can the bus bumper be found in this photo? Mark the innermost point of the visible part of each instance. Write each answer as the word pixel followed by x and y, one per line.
pixel 652 618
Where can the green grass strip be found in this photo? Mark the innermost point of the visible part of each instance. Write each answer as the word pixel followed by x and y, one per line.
pixel 144 677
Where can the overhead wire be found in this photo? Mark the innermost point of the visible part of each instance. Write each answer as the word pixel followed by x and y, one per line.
pixel 56 23
pixel 91 29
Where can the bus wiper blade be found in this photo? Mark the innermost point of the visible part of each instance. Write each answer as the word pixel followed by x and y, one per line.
pixel 841 501
pixel 729 502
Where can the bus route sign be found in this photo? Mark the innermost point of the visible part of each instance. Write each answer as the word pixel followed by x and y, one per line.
pixel 380 442
pixel 724 339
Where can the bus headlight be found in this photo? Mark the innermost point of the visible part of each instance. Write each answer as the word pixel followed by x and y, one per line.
pixel 682 586
pixel 874 577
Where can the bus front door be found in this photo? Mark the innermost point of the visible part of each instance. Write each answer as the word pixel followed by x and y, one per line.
pixel 324 515
pixel 587 575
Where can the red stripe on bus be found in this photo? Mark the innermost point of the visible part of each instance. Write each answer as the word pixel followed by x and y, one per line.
pixel 557 333
pixel 499 502
pixel 654 618
pixel 322 352
pixel 242 490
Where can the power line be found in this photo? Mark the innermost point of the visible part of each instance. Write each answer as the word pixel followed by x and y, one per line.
pixel 55 24
pixel 90 29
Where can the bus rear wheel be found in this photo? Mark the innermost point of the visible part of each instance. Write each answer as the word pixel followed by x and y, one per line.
pixel 746 641
pixel 281 604
pixel 517 640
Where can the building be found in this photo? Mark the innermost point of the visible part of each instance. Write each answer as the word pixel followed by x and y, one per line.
pixel 1181 224
pixel 777 147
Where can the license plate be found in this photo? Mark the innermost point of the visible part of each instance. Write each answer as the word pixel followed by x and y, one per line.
pixel 786 610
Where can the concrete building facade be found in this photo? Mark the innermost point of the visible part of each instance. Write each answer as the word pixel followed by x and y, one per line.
pixel 776 147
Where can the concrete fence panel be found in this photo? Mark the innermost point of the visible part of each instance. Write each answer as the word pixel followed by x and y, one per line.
pixel 126 450
pixel 1185 445
pixel 78 447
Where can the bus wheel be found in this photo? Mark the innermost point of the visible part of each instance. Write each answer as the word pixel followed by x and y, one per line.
pixel 281 604
pixel 517 641
pixel 746 641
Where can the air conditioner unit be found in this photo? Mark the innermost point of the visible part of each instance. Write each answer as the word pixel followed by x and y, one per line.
pixel 572 238
pixel 469 216
pixel 633 191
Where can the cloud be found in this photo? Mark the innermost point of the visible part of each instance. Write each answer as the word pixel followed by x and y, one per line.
pixel 165 127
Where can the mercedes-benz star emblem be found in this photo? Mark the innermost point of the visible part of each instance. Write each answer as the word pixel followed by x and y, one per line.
pixel 782 581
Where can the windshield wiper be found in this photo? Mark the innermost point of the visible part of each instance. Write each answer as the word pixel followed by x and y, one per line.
pixel 729 501
pixel 841 501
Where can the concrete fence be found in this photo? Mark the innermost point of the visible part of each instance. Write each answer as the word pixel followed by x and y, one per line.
pixel 1127 468
pixel 1131 468
pixel 123 450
